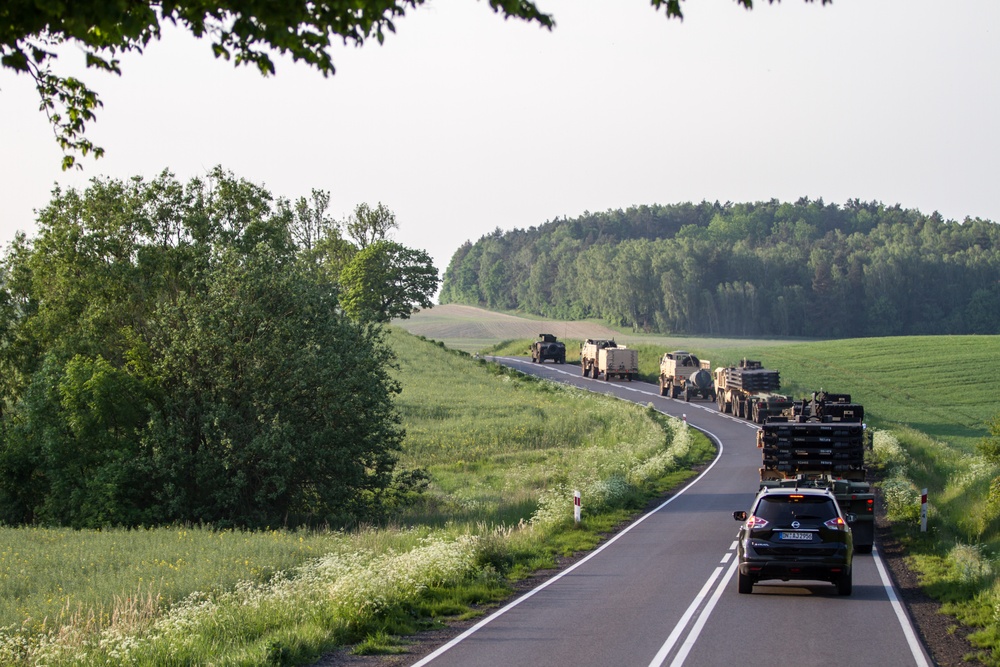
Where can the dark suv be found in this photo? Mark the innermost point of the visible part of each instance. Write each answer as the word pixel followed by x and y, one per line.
pixel 794 534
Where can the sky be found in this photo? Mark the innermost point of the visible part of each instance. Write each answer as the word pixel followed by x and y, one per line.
pixel 462 122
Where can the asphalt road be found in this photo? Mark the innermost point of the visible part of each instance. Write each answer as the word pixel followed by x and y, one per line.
pixel 663 591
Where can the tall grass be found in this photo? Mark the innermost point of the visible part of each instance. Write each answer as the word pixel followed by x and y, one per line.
pixel 49 575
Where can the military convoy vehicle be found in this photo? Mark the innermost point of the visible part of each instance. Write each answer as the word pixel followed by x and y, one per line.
pixel 683 374
pixel 820 443
pixel 749 391
pixel 607 359
pixel 547 347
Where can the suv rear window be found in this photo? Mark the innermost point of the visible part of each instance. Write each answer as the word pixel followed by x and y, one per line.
pixel 784 509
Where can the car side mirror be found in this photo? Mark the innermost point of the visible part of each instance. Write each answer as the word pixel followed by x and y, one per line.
pixel 850 517
pixel 740 515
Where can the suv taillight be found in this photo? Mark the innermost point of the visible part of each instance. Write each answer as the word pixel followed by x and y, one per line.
pixel 836 523
pixel 756 522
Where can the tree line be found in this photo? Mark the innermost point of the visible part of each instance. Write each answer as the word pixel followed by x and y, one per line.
pixel 754 269
pixel 201 352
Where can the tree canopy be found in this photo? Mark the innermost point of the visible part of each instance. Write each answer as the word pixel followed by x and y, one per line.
pixel 248 32
pixel 179 353
pixel 755 269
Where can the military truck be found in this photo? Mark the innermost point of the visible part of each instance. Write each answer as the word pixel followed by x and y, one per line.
pixel 749 391
pixel 820 443
pixel 683 374
pixel 601 357
pixel 547 347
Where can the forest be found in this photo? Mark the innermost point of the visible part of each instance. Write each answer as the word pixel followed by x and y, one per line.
pixel 802 269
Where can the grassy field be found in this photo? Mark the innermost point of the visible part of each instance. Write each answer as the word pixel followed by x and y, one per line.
pixel 503 452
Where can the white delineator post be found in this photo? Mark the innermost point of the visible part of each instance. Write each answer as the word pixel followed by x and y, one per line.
pixel 576 506
pixel 923 511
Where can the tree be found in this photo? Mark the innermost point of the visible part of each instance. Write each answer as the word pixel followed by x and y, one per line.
pixel 387 280
pixel 169 354
pixel 31 32
pixel 369 225
pixel 310 221
pixel 247 32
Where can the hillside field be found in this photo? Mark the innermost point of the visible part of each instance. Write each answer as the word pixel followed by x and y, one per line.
pixel 943 386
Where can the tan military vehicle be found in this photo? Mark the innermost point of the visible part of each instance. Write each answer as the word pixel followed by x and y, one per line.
pixel 607 359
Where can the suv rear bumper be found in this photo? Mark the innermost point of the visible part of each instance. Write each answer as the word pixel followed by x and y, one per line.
pixel 793 570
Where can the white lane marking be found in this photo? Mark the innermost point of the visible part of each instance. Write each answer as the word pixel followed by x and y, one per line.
pixel 492 617
pixel 916 648
pixel 668 645
pixel 675 634
pixel 703 618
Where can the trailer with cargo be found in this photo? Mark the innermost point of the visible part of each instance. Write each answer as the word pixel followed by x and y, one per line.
pixel 750 391
pixel 820 442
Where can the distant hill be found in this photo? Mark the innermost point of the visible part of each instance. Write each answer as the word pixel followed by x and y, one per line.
pixel 803 269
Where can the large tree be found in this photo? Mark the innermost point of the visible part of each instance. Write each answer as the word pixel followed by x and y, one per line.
pixel 169 353
pixel 246 31
pixel 386 280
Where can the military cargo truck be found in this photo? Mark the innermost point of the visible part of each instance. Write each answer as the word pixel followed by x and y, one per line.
pixel 749 391
pixel 821 442
pixel 607 359
pixel 547 347
pixel 683 374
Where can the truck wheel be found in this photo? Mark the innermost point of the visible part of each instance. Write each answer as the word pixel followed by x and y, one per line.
pixel 583 370
pixel 744 583
pixel 687 395
pixel 663 388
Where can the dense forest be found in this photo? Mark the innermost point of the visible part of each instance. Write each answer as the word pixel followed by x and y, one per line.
pixel 755 269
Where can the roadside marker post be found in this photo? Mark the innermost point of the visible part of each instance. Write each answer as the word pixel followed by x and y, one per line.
pixel 923 511
pixel 576 506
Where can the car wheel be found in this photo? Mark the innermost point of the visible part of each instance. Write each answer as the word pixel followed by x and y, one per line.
pixel 744 583
pixel 844 584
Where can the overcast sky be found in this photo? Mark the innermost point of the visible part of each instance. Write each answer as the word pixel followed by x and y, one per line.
pixel 462 122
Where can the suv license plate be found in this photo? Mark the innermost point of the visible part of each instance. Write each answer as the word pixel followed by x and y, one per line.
pixel 802 537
